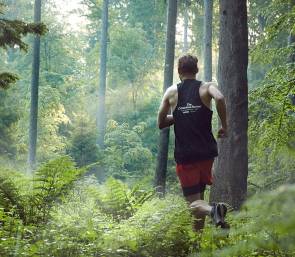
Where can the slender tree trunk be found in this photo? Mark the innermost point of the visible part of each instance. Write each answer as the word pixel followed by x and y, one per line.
pixel 208 4
pixel 185 27
pixel 161 169
pixel 291 38
pixel 101 115
pixel 34 91
pixel 231 171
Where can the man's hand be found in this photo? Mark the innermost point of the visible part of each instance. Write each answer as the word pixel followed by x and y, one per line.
pixel 222 133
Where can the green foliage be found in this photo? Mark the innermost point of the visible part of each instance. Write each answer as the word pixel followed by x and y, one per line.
pixel 8 119
pixel 129 52
pixel 124 155
pixel 83 148
pixel 118 201
pixel 11 201
pixel 6 79
pixel 158 228
pixel 271 130
pixel 271 110
pixel 11 34
pixel 273 22
pixel 86 223
pixel 52 182
pixel 82 144
pixel 129 59
pixel 13 31
pixel 88 219
pixel 264 227
pixel 32 201
pixel 149 15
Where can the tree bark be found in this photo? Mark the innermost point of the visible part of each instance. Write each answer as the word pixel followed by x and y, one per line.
pixel 161 169
pixel 185 27
pixel 101 115
pixel 230 177
pixel 34 91
pixel 208 4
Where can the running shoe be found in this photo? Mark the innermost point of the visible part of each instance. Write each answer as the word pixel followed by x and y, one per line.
pixel 218 214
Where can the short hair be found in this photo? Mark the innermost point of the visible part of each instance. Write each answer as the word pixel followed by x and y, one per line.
pixel 188 64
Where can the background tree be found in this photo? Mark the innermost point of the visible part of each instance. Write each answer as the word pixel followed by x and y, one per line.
pixel 130 59
pixel 208 8
pixel 232 164
pixel 34 91
pixel 185 26
pixel 101 115
pixel 161 169
pixel 291 38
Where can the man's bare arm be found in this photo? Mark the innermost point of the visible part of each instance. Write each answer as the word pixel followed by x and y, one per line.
pixel 164 118
pixel 221 108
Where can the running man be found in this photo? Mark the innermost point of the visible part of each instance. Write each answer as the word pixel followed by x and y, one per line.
pixel 195 146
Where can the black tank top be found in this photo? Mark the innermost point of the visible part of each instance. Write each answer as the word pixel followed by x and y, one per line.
pixel 193 125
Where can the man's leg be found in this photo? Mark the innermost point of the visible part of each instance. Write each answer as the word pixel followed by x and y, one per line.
pixel 200 208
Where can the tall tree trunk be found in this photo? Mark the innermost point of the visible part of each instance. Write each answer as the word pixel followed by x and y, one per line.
pixel 208 4
pixel 34 91
pixel 101 115
pixel 232 164
pixel 291 38
pixel 161 169
pixel 185 27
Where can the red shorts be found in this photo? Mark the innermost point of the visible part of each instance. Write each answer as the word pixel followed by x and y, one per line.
pixel 194 177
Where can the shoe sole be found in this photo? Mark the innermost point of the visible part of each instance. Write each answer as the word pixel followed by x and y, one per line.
pixel 222 210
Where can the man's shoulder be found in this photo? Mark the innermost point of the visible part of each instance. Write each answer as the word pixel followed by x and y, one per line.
pixel 206 85
pixel 171 90
pixel 173 87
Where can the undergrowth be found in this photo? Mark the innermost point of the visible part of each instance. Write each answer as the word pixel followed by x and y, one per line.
pixel 61 212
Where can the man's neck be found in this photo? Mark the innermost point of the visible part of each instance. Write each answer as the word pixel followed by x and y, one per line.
pixel 184 77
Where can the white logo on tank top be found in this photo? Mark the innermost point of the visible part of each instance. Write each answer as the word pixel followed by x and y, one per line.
pixel 189 108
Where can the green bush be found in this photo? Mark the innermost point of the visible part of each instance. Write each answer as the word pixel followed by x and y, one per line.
pixel 161 227
pixel 61 213
pixel 264 227
pixel 124 155
pixel 89 223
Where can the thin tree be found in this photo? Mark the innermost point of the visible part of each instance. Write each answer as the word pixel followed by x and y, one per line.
pixel 161 169
pixel 101 115
pixel 232 164
pixel 208 7
pixel 34 91
pixel 291 37
pixel 185 26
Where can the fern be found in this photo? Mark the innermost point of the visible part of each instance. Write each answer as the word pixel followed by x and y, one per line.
pixel 10 199
pixel 51 183
pixel 137 196
pixel 114 201
pixel 117 200
pixel 161 227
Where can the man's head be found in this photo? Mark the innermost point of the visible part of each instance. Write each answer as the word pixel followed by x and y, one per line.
pixel 187 66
